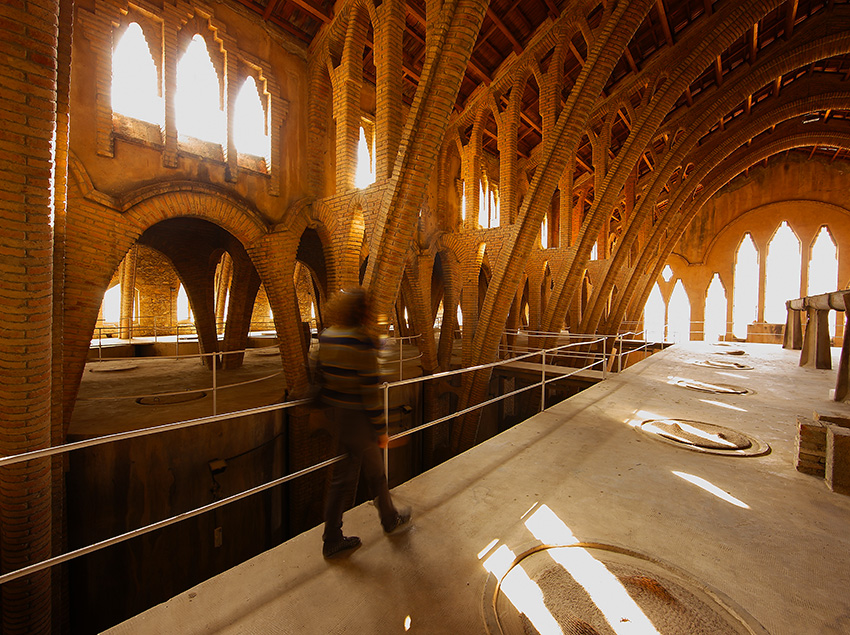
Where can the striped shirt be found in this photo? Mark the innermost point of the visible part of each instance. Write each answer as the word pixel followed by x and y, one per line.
pixel 347 362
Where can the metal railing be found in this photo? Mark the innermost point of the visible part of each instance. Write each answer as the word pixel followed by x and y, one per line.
pixel 602 357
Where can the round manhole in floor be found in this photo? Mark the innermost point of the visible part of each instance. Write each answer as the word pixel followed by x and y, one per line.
pixel 113 367
pixel 715 389
pixel 704 437
pixel 168 400
pixel 723 364
pixel 596 589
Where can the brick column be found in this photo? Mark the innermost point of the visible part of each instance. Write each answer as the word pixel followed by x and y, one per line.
pixel 388 55
pixel 29 31
pixel 128 293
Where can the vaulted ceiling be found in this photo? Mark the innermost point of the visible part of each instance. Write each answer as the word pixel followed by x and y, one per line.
pixel 510 25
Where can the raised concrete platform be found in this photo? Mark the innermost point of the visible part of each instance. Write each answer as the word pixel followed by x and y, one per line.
pixel 779 548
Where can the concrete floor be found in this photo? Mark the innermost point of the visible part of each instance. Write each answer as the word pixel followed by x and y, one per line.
pixel 784 557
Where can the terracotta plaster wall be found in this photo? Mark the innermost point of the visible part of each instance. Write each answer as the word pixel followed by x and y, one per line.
pixel 806 194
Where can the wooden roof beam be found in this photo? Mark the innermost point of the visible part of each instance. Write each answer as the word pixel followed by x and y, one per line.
pixel 505 31
pixel 707 5
pixel 270 7
pixel 718 70
pixel 314 11
pixel 631 60
pixel 554 13
pixel 665 25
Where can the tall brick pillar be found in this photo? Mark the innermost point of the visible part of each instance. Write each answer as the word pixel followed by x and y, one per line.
pixel 29 31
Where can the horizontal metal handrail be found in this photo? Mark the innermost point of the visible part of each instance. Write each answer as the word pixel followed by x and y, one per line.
pixel 120 436
pixel 184 392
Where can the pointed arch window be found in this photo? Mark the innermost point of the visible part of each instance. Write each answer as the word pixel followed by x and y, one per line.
pixel 782 273
pixel 250 121
pixel 823 269
pixel 365 173
pixel 653 315
pixel 198 99
pixel 594 252
pixel 483 214
pixel 715 310
pixel 184 310
pixel 745 295
pixel 679 314
pixel 111 308
pixel 135 81
pixel 544 233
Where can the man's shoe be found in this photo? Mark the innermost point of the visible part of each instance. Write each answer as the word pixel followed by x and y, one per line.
pixel 344 547
pixel 400 524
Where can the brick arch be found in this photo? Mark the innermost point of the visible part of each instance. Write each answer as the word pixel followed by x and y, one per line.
pixel 150 205
pixel 339 27
pixel 724 172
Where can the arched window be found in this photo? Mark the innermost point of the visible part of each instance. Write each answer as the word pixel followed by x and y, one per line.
pixel 782 273
pixel 459 315
pixel 198 100
pixel 745 299
pixel 483 214
pixel 463 201
pixel 111 307
pixel 679 315
pixel 544 233
pixel 823 269
pixel 715 310
pixel 250 128
pixel 653 315
pixel 184 311
pixel 135 82
pixel 364 176
pixel 594 252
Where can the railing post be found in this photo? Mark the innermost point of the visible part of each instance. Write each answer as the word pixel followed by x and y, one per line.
pixel 215 384
pixel 543 381
pixel 387 429
pixel 100 343
pixel 605 358
pixel 619 355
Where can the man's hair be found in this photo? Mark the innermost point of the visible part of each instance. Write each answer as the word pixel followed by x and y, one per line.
pixel 348 307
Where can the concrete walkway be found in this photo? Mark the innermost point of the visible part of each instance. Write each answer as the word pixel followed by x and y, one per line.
pixel 783 555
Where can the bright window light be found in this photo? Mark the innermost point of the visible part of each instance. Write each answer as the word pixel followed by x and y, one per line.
pixel 622 613
pixel 483 216
pixel 653 315
pixel 112 304
pixel 594 253
pixel 712 489
pixel 667 273
pixel 494 209
pixel 745 299
pixel 135 85
pixel 521 590
pixel 364 176
pixel 715 310
pixel 463 201
pixel 679 315
pixel 184 311
pixel 198 100
pixel 249 121
pixel 544 233
pixel 782 270
pixel 459 315
pixel 823 269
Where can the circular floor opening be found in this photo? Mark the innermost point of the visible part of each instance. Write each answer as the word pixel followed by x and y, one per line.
pixel 169 400
pixel 704 437
pixel 596 589
pixel 723 364
pixel 715 389
pixel 113 367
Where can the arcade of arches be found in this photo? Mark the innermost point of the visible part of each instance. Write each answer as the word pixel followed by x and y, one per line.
pixel 541 164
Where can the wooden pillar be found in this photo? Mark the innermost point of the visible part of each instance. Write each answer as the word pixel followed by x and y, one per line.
pixel 793 336
pixel 815 352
